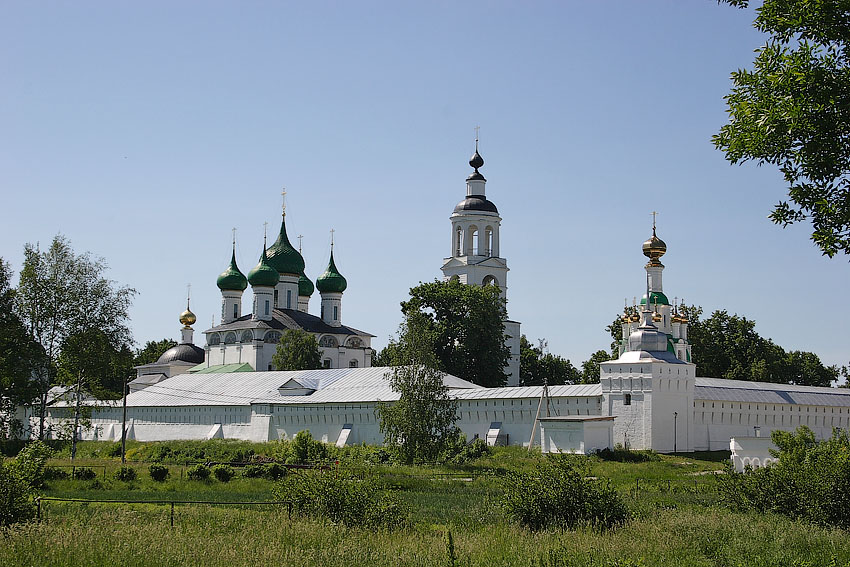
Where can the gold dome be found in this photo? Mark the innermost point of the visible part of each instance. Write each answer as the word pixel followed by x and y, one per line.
pixel 188 318
pixel 656 317
pixel 654 248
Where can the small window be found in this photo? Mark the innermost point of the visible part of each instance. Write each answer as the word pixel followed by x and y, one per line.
pixel 235 310
pixel 289 299
pixel 326 363
pixel 267 307
pixel 627 400
pixel 336 313
pixel 352 364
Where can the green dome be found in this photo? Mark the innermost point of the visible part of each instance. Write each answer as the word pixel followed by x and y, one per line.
pixel 655 297
pixel 305 286
pixel 282 256
pixel 331 281
pixel 263 274
pixel 231 278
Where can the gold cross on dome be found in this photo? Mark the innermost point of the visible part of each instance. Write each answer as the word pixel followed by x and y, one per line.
pixel 332 238
pixel 300 238
pixel 283 199
pixel 654 214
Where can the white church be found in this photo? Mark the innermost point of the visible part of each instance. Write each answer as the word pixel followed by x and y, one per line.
pixel 651 397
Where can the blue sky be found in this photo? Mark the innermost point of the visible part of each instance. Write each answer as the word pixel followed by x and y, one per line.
pixel 145 131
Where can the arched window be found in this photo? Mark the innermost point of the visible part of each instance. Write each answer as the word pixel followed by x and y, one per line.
pixel 328 341
pixel 352 363
pixel 272 337
pixel 476 244
pixel 469 244
pixel 230 337
pixel 458 242
pixel 354 342
pixel 490 280
pixel 488 241
pixel 213 339
pixel 247 336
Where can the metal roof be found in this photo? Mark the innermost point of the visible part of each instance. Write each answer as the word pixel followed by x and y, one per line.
pixel 719 389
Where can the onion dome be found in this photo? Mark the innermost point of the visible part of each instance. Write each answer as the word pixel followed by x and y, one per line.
pixel 282 256
pixel 232 279
pixel 655 298
pixel 188 318
pixel 476 203
pixel 331 281
pixel 476 161
pixel 263 274
pixel 654 248
pixel 305 286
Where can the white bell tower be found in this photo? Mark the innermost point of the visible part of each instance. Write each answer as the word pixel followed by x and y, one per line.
pixel 475 258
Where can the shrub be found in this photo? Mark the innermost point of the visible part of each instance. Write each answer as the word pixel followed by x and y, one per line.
pixel 810 481
pixel 305 449
pixel 254 471
pixel 158 472
pixel 275 471
pixel 126 474
pixel 558 493
pixel 15 496
pixel 198 472
pixel 55 473
pixel 30 463
pixel 223 472
pixel 84 473
pixel 621 455
pixel 340 498
pixel 459 452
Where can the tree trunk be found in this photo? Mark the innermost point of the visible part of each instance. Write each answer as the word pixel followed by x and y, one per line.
pixel 76 415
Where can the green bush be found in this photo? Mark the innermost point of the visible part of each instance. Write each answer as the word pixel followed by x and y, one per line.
pixel 558 493
pixel 810 481
pixel 198 472
pixel 30 463
pixel 459 452
pixel 340 498
pixel 84 473
pixel 621 455
pixel 275 471
pixel 159 473
pixel 16 503
pixel 126 474
pixel 223 472
pixel 305 449
pixel 55 473
pixel 254 471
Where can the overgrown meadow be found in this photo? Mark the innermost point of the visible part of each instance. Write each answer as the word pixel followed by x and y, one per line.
pixel 439 514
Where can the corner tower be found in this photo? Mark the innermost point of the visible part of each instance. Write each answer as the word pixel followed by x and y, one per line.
pixel 475 253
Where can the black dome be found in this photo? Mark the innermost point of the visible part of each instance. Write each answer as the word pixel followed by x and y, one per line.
pixel 183 352
pixel 476 203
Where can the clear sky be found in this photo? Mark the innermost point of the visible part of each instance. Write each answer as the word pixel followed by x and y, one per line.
pixel 145 131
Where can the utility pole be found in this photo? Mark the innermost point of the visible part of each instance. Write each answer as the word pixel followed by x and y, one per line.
pixel 124 425
pixel 675 437
pixel 76 415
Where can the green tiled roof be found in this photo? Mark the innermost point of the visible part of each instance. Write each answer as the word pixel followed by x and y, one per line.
pixel 655 297
pixel 331 280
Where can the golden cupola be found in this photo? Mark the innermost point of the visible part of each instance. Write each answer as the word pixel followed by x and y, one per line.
pixel 654 248
pixel 187 318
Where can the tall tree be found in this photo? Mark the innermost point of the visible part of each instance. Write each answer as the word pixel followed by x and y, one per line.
pixel 297 350
pixel 20 360
pixel 152 350
pixel 792 110
pixel 466 323
pixel 420 424
pixel 537 366
pixel 60 294
pixel 590 367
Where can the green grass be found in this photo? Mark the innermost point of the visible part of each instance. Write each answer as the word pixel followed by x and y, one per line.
pixel 678 525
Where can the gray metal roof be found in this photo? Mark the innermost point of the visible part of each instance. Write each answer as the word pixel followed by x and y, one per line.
pixel 719 389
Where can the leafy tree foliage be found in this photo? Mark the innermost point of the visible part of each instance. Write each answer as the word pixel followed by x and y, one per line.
pixel 62 294
pixel 590 367
pixel 792 110
pixel 152 350
pixel 535 366
pixel 466 328
pixel 420 425
pixel 21 358
pixel 810 481
pixel 297 350
pixel 90 359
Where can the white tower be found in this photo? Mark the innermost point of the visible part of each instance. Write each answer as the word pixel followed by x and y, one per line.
pixel 475 256
pixel 289 263
pixel 232 283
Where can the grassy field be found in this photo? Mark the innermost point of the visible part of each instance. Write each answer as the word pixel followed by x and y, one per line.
pixel 677 520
